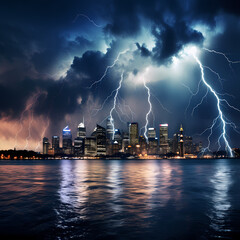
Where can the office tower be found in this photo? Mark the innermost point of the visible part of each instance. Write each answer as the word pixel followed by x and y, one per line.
pixel 133 134
pixel 152 146
pixel 143 145
pixel 175 143
pixel 45 145
pixel 118 138
pixel 101 140
pixel 67 140
pixel 79 146
pixel 151 132
pixel 181 147
pixel 110 124
pixel 163 138
pixel 188 144
pixel 125 141
pixel 81 131
pixel 55 142
pixel 90 147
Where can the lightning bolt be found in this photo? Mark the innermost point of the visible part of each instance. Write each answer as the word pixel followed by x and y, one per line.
pixel 88 18
pixel 108 67
pixel 29 129
pixel 220 116
pixel 150 108
pixel 114 104
pixel 230 62
pixel 126 106
pixel 43 134
pixel 221 53
pixel 30 103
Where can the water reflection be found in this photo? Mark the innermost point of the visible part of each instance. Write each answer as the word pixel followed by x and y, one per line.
pixel 117 188
pixel 177 199
pixel 221 182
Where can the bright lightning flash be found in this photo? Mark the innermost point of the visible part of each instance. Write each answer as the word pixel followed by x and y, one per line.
pixel 220 113
pixel 114 105
pixel 28 108
pixel 150 109
pixel 108 67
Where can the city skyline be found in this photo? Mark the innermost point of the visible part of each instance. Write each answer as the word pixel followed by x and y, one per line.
pixel 179 64
pixel 106 141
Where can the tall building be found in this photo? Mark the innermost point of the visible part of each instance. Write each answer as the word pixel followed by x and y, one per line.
pixel 81 131
pixel 133 134
pixel 125 141
pixel 45 145
pixel 175 143
pixel 181 147
pixel 79 146
pixel 188 144
pixel 101 140
pixel 143 145
pixel 152 146
pixel 152 132
pixel 90 146
pixel 163 138
pixel 109 131
pixel 118 138
pixel 55 142
pixel 67 140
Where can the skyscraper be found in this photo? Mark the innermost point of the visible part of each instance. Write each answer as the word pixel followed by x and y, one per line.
pixel 143 145
pixel 55 142
pixel 163 138
pixel 90 146
pixel 188 144
pixel 81 131
pixel 110 122
pixel 125 141
pixel 101 140
pixel 152 146
pixel 79 146
pixel 151 132
pixel 175 143
pixel 67 140
pixel 133 133
pixel 181 147
pixel 45 145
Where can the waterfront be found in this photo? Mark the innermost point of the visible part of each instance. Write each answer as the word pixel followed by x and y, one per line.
pixel 119 199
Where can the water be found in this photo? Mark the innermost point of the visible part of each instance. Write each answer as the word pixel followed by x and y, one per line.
pixel 131 199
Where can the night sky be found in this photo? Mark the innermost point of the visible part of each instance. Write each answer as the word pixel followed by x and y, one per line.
pixel 52 51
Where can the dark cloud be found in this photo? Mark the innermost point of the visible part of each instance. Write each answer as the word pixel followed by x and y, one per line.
pixel 39 38
pixel 144 51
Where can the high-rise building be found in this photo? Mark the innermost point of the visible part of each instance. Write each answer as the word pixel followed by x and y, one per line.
pixel 163 138
pixel 55 142
pixel 152 132
pixel 118 138
pixel 90 146
pixel 181 147
pixel 79 146
pixel 143 145
pixel 152 146
pixel 81 131
pixel 45 145
pixel 101 140
pixel 133 134
pixel 109 131
pixel 188 144
pixel 125 141
pixel 175 143
pixel 67 140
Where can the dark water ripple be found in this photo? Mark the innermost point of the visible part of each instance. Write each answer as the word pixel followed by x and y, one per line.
pixel 150 199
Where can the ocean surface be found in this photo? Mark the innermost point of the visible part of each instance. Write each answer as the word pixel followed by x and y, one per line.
pixel 120 199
